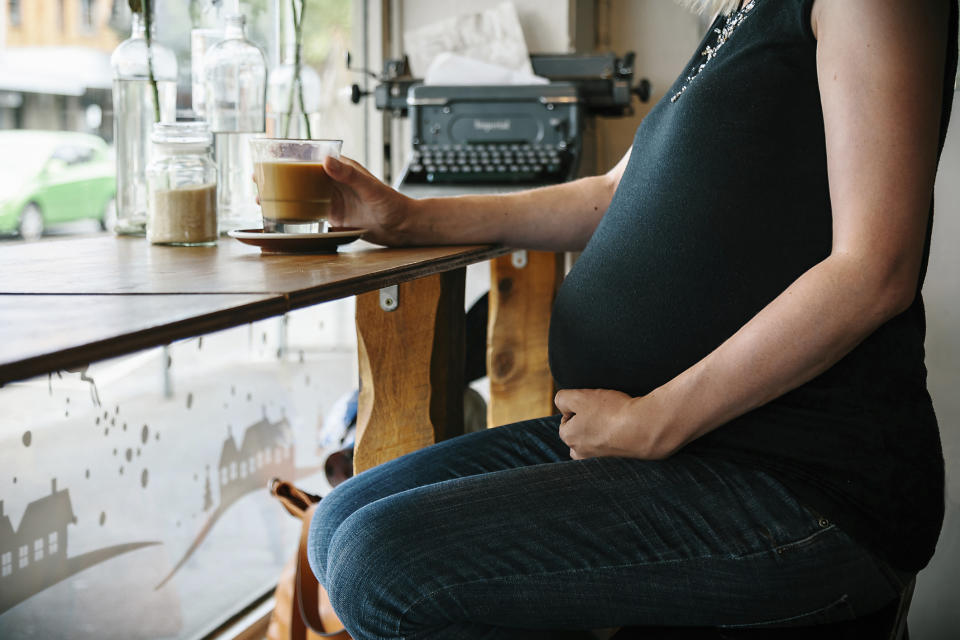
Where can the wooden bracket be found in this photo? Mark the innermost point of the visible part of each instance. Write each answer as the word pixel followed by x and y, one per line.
pixel 411 368
pixel 521 299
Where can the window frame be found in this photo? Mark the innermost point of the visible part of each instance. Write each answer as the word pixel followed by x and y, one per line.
pixel 367 42
pixel 86 17
pixel 15 11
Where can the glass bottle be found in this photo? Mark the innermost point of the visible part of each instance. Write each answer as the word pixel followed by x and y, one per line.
pixel 182 186
pixel 207 32
pixel 235 73
pixel 293 99
pixel 134 114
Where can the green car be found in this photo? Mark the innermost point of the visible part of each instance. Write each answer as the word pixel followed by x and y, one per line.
pixel 52 177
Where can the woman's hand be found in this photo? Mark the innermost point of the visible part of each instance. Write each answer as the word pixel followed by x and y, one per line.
pixel 604 423
pixel 361 200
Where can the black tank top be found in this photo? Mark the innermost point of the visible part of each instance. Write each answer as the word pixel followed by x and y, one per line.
pixel 724 203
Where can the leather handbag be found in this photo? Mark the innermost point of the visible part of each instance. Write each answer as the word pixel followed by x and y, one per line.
pixel 302 609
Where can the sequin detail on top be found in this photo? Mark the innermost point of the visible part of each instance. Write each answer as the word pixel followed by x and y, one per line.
pixel 723 34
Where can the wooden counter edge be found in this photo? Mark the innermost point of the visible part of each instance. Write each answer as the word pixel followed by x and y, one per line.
pixel 398 275
pixel 127 343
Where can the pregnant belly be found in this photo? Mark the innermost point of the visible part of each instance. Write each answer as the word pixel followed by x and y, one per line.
pixel 633 314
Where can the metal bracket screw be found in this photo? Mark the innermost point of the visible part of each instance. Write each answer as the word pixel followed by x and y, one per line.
pixel 389 300
pixel 518 259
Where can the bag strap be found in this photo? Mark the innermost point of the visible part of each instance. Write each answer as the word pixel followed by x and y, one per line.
pixel 296 501
pixel 307 588
pixel 307 594
pixel 305 612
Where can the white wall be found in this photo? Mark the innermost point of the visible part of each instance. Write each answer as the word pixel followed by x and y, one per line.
pixel 935 614
pixel 663 35
pixel 545 22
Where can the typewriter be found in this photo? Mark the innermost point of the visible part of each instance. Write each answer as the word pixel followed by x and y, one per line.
pixel 489 135
pixel 475 139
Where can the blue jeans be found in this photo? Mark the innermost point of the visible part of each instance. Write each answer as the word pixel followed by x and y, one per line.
pixel 495 534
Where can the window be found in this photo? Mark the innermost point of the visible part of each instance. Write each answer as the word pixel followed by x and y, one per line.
pixel 80 155
pixel 74 154
pixel 243 469
pixel 66 154
pixel 38 549
pixel 86 15
pixel 224 356
pixel 16 19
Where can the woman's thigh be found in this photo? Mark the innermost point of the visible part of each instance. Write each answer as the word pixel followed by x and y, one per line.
pixel 508 447
pixel 452 545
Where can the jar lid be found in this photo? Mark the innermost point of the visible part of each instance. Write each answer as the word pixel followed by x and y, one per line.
pixel 192 133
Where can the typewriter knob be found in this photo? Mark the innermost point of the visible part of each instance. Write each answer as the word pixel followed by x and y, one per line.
pixel 642 90
pixel 356 93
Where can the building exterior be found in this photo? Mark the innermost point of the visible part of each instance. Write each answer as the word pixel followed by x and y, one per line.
pixel 55 64
pixel 59 23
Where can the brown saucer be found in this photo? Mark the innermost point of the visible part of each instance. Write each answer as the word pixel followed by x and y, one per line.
pixel 326 242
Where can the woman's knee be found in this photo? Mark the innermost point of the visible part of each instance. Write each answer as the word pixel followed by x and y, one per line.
pixel 336 507
pixel 370 578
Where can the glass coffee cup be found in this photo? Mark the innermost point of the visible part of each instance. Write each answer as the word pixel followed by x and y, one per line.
pixel 295 191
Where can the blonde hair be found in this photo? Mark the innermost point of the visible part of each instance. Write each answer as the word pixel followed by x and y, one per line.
pixel 711 7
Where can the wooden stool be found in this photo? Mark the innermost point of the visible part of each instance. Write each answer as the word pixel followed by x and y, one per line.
pixel 889 623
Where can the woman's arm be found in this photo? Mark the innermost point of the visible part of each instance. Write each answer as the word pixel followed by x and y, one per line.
pixel 880 69
pixel 557 218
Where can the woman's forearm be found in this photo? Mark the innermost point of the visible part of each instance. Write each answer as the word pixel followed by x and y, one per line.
pixel 555 218
pixel 810 326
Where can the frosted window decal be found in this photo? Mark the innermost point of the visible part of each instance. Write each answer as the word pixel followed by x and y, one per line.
pixel 135 492
pixel 48 516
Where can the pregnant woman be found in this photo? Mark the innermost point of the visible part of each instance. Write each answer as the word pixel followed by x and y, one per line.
pixel 745 435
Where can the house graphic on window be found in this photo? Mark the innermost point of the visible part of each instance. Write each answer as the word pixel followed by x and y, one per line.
pixel 34 555
pixel 266 451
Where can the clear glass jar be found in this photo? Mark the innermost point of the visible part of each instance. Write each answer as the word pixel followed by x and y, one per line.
pixel 135 110
pixel 235 73
pixel 182 186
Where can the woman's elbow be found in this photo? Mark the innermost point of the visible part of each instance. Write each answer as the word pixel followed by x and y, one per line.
pixel 901 296
pixel 897 289
pixel 887 287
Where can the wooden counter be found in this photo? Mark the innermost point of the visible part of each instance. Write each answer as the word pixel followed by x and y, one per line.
pixel 66 303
